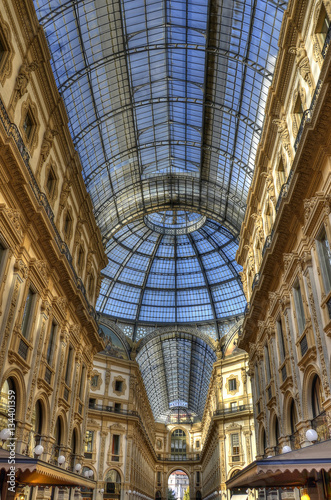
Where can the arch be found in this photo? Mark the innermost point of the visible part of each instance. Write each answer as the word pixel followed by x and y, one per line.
pixel 262 442
pixel 307 385
pixel 114 468
pixel 274 430
pixel 113 481
pixel 76 428
pixel 20 391
pixel 174 468
pixel 233 472
pixel 60 431
pixel 44 401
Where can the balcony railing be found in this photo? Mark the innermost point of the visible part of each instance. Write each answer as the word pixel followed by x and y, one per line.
pixel 284 190
pixel 111 409
pixel 234 409
pixel 184 457
pixel 12 131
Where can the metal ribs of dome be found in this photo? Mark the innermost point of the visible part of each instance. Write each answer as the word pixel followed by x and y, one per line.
pixel 161 278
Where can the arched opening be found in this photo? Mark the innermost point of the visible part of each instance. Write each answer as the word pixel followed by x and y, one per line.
pixel 198 495
pixel 178 485
pixel 74 448
pixel 276 434
pixel 37 425
pixel 158 495
pixel 263 441
pixel 178 445
pixel 8 406
pixel 293 420
pixel 316 397
pixel 58 431
pixel 113 484
pixel 319 421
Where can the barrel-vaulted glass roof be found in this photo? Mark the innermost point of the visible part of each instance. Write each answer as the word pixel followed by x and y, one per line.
pixel 176 369
pixel 165 100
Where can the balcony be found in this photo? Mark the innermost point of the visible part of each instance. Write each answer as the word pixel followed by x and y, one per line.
pixel 230 411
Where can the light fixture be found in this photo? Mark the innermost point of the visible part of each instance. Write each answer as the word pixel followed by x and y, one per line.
pixel 304 494
pixel 5 434
pixel 286 449
pixel 269 456
pixel 39 450
pixel 90 473
pixel 78 467
pixel 61 459
pixel 22 497
pixel 102 490
pixel 129 492
pixel 86 473
pixel 311 435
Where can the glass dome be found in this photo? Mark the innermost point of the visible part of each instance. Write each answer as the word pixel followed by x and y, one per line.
pixel 172 278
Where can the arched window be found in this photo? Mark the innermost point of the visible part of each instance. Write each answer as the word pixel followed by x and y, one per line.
pixel 158 495
pixel 7 402
pixel 74 443
pixel 37 423
pixel 316 397
pixel 293 417
pixel 178 444
pixel 198 495
pixel 58 437
pixel 276 431
pixel 263 443
pixel 113 482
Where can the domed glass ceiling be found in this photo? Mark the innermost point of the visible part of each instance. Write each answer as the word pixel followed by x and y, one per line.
pixel 164 278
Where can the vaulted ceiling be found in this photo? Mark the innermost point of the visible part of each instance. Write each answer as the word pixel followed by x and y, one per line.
pixel 165 100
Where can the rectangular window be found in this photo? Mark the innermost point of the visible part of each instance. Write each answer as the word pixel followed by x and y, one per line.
pixel 68 369
pixel 198 477
pixel 303 345
pixel 117 407
pixel 116 448
pixel 324 255
pixel 159 478
pixel 257 382
pixel 27 313
pixel 280 336
pixel 51 344
pixel 232 384
pixel 82 383
pixel 267 363
pixel 89 442
pixel 233 406
pixel 91 403
pixel 197 444
pixel 300 313
pixel 28 125
pixel 118 385
pixel 235 447
pixel 95 381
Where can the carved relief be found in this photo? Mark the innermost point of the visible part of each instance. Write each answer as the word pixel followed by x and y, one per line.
pixel 22 81
pixel 284 135
pixel 303 64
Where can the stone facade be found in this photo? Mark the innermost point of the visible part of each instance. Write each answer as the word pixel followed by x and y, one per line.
pixel 285 242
